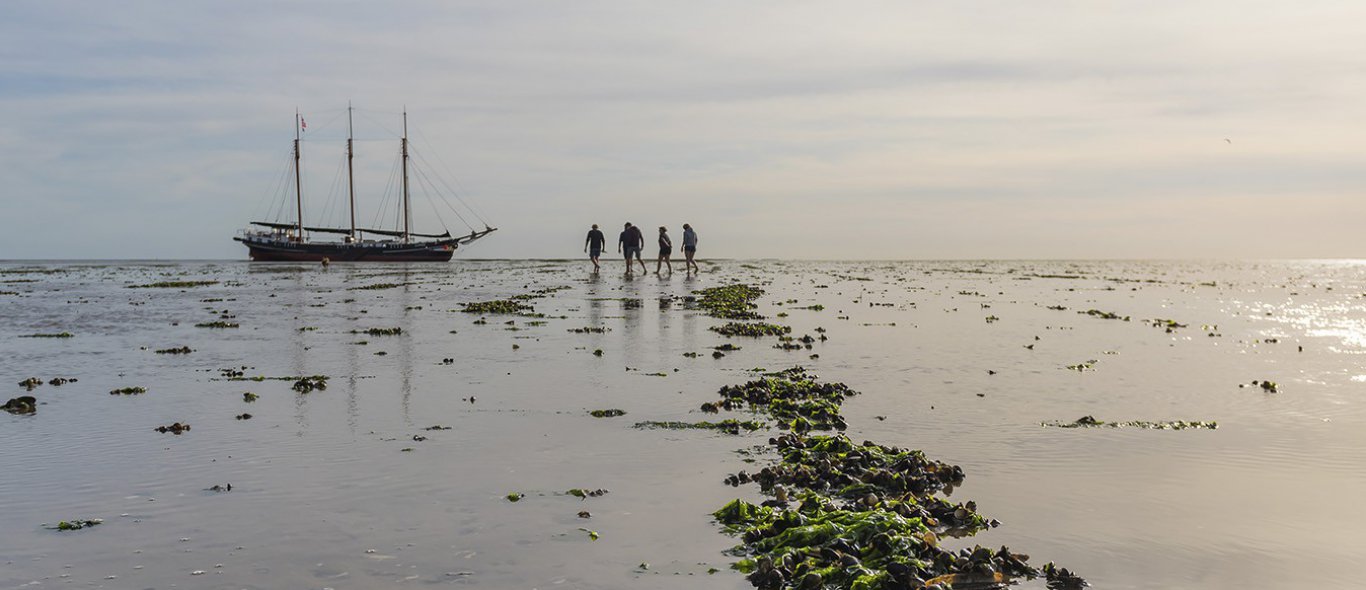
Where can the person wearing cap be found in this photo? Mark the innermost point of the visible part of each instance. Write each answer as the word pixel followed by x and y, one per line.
pixel 593 245
pixel 666 247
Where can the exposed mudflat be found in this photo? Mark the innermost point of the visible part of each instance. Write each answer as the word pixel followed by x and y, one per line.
pixel 1213 420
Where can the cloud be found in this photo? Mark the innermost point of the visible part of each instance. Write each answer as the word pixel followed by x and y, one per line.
pixel 878 130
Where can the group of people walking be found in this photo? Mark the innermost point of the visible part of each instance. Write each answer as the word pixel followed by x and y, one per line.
pixel 632 242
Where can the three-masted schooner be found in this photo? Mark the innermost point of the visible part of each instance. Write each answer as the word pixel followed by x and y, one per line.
pixel 275 241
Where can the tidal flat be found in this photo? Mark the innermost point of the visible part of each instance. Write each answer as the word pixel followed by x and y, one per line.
pixel 1213 422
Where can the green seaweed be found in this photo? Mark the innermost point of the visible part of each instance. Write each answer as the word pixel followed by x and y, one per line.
pixel 612 413
pixel 49 335
pixel 753 330
pixel 731 302
pixel 504 306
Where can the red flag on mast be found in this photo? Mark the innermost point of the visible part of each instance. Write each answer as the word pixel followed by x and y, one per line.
pixel 303 124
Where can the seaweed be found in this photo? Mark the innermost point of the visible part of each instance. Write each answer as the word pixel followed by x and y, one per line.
pixel 310 383
pixel 76 524
pixel 1104 315
pixel 753 330
pixel 729 426
pixel 128 391
pixel 504 306
pixel 24 404
pixel 176 428
pixel 856 516
pixel 177 350
pixel 49 335
pixel 730 302
pixel 218 324
pixel 612 413
pixel 174 285
pixel 1092 422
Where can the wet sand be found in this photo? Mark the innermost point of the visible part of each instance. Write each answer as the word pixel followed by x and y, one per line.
pixel 961 359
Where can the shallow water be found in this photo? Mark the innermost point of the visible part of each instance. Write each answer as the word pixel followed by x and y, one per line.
pixel 325 496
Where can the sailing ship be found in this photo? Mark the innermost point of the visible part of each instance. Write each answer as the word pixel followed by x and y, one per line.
pixel 277 241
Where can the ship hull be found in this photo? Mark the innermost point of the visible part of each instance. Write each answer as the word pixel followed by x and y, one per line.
pixel 276 251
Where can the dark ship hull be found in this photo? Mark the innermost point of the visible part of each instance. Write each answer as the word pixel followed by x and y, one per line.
pixel 271 250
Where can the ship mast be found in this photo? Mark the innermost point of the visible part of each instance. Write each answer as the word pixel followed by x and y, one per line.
pixel 350 172
pixel 407 210
pixel 298 182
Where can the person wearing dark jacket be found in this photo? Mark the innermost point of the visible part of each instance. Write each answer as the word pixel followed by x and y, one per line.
pixel 632 242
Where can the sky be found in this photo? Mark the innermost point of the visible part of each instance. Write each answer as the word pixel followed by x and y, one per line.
pixel 778 129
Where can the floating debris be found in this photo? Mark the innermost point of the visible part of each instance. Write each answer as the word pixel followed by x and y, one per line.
pixel 244 416
pixel 219 324
pixel 219 488
pixel 380 331
pixel 128 391
pixel 1092 422
pixel 514 497
pixel 250 397
pixel 56 335
pixel 590 330
pixel 178 350
pixel 585 494
pixel 592 535
pixel 612 413
pixel 30 383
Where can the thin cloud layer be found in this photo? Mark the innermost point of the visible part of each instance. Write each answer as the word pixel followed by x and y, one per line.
pixel 779 129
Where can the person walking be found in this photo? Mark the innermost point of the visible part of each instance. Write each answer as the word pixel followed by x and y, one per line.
pixel 631 241
pixel 666 248
pixel 690 248
pixel 593 246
